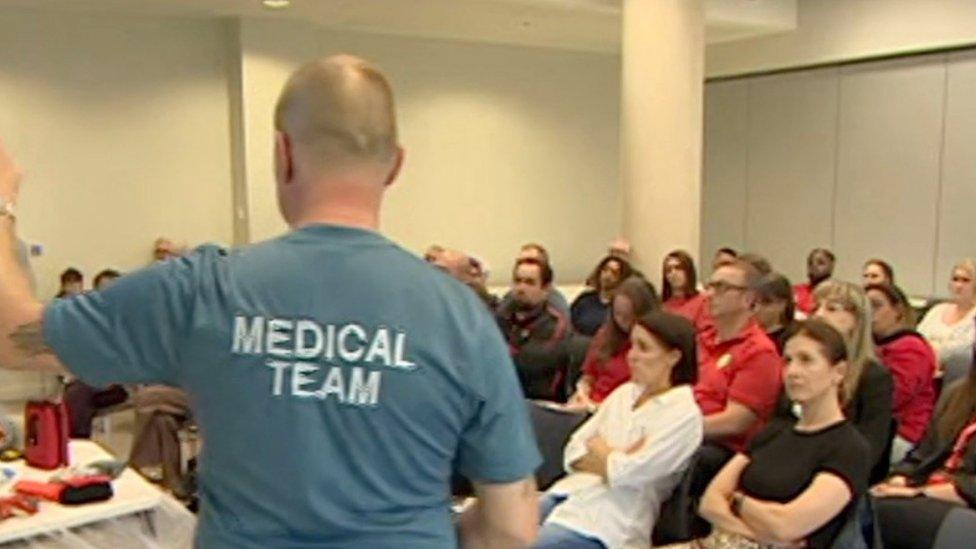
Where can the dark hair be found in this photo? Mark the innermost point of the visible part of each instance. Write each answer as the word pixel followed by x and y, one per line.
pixel 545 271
pixel 72 275
pixel 832 342
pixel 824 251
pixel 884 266
pixel 686 264
pixel 643 297
pixel 625 270
pixel 727 251
pixel 775 286
pixel 539 248
pixel 107 273
pixel 674 332
pixel 897 298
pixel 758 262
pixel 960 406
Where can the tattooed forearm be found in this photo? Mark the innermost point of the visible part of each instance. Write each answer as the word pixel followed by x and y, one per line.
pixel 29 339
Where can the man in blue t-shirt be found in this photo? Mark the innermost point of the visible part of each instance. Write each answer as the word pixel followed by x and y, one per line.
pixel 338 380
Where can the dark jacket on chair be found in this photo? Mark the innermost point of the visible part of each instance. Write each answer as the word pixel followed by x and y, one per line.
pixel 932 453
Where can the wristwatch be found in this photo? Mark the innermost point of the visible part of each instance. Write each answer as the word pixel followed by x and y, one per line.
pixel 7 208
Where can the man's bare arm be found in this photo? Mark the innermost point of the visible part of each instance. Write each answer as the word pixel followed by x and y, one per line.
pixel 29 339
pixel 505 515
pixel 21 315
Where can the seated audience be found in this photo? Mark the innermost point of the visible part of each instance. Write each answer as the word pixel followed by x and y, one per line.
pixel 432 251
pixel 909 358
pixel 539 253
pixel 722 257
pixel 627 459
pixel 866 394
pixel 104 278
pixel 460 267
pixel 775 309
pixel 589 310
pixel 820 267
pixel 84 401
pixel 877 271
pixel 739 377
pixel 758 262
pixel 605 366
pixel 679 283
pixel 164 248
pixel 796 484
pixel 950 327
pixel 936 478
pixel 536 332
pixel 620 247
pixel 72 283
pixel 478 281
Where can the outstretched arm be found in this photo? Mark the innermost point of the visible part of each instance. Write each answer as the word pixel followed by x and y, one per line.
pixel 21 328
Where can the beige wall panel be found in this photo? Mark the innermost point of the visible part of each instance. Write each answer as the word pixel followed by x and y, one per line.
pixel 792 145
pixel 957 212
pixel 890 139
pixel 504 145
pixel 724 176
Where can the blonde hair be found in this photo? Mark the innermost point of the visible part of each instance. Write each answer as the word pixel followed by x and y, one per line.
pixel 968 265
pixel 860 345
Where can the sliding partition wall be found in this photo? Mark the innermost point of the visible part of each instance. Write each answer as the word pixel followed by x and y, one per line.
pixel 869 159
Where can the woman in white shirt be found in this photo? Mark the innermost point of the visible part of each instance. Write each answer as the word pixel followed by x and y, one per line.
pixel 950 326
pixel 626 460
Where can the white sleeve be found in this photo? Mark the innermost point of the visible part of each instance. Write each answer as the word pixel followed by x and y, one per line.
pixel 576 447
pixel 959 348
pixel 929 321
pixel 666 450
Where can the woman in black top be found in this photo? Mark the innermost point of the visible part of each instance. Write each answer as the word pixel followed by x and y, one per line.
pixel 796 483
pixel 936 478
pixel 867 391
pixel 589 310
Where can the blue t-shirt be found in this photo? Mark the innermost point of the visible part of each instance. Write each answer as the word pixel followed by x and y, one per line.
pixel 337 380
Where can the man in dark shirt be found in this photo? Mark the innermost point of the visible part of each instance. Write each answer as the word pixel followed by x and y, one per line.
pixel 536 331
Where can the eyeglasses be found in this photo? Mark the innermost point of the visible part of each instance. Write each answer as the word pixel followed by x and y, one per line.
pixel 720 286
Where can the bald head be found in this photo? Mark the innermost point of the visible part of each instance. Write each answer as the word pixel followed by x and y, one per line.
pixel 338 111
pixel 455 263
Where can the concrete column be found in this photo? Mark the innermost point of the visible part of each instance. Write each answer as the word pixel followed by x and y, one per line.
pixel 662 88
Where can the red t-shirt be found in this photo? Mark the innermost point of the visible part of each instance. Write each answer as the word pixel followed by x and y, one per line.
pixel 746 369
pixel 688 307
pixel 803 297
pixel 607 375
pixel 912 364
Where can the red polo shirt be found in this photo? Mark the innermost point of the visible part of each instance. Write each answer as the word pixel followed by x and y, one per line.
pixel 746 369
pixel 803 297
pixel 688 307
pixel 912 363
pixel 608 375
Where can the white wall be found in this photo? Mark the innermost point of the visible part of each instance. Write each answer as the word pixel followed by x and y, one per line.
pixel 843 30
pixel 121 125
pixel 504 145
pixel 870 159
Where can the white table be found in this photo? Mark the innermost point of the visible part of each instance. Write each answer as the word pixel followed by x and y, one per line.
pixel 139 514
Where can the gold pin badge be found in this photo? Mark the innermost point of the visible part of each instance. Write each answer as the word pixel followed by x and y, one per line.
pixel 724 361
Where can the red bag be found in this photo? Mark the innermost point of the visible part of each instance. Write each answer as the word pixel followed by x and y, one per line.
pixel 46 434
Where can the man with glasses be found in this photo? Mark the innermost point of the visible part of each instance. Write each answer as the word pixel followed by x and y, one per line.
pixel 739 377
